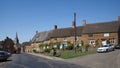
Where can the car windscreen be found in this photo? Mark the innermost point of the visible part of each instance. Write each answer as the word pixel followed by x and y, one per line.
pixel 1 53
pixel 105 46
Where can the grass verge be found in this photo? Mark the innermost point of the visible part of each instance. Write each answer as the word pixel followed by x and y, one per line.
pixel 73 54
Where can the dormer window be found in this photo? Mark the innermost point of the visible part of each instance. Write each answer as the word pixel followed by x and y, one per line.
pixel 106 34
pixel 90 35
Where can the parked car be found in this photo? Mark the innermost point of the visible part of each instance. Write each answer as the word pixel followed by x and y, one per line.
pixel 117 46
pixel 106 48
pixel 4 55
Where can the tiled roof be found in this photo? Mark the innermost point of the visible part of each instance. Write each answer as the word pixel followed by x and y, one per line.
pixel 103 27
pixel 79 30
pixel 64 32
pixel 41 36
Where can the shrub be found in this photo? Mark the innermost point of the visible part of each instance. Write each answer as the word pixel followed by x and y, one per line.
pixel 34 51
pixel 70 46
pixel 58 45
pixel 47 50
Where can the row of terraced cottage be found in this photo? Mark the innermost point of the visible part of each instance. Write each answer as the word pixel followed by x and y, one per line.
pixel 94 34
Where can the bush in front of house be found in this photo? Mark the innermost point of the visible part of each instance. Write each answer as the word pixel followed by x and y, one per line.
pixel 47 50
pixel 34 51
pixel 86 47
pixel 70 46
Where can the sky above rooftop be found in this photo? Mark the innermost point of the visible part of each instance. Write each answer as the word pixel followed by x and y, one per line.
pixel 28 16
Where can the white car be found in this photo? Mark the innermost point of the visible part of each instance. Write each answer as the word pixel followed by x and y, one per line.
pixel 106 48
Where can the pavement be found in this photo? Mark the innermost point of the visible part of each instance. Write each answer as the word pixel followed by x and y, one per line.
pixel 47 57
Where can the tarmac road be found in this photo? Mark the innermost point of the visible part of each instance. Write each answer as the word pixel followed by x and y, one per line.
pixel 32 61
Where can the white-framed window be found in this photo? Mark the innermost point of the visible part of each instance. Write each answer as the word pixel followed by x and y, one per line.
pixel 63 44
pixel 112 41
pixel 65 39
pixel 48 46
pixel 44 47
pixel 92 42
pixel 106 34
pixel 55 46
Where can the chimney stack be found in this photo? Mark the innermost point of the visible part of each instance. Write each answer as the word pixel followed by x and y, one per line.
pixel 84 22
pixel 73 24
pixel 119 18
pixel 36 32
pixel 55 27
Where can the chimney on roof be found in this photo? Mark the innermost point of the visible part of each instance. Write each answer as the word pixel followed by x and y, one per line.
pixel 73 24
pixel 119 18
pixel 55 27
pixel 84 22
pixel 36 32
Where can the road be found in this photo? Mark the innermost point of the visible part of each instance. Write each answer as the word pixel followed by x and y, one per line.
pixel 32 61
pixel 99 60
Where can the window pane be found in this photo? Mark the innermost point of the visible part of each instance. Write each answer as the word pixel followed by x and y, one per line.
pixel 106 34
pixel 90 35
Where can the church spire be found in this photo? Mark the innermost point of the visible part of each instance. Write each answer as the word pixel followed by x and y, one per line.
pixel 16 38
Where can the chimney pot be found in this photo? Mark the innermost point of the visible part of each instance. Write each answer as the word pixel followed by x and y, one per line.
pixel 73 24
pixel 118 18
pixel 36 32
pixel 55 27
pixel 84 22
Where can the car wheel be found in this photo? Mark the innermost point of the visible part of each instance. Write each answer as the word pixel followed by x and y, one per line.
pixel 107 50
pixel 113 49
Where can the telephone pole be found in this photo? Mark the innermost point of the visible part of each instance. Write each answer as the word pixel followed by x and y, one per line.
pixel 75 39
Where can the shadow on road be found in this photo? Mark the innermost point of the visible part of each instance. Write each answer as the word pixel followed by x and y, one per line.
pixel 5 61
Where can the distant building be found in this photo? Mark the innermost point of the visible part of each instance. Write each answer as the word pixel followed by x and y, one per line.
pixel 10 45
pixel 25 45
pixel 95 34
pixel 17 45
pixel 1 44
pixel 7 45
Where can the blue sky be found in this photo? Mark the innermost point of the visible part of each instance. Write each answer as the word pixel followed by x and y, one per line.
pixel 28 16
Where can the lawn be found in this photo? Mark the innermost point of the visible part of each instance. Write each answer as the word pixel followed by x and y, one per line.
pixel 67 55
